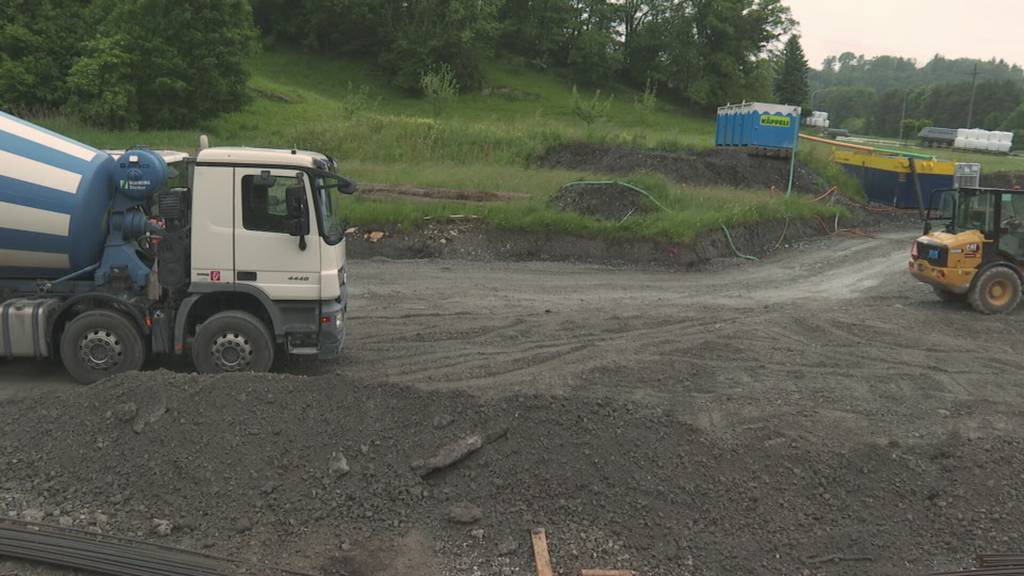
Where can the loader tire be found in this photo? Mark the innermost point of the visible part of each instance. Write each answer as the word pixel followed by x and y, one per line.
pixel 996 291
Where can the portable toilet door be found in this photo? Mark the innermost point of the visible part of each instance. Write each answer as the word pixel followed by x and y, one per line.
pixel 719 126
pixel 775 126
pixel 737 125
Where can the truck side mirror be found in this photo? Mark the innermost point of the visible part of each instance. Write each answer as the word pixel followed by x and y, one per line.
pixel 264 180
pixel 298 213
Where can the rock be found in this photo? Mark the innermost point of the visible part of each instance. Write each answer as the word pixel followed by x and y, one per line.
pixel 443 421
pixel 268 488
pixel 66 521
pixel 100 519
pixel 338 465
pixel 448 455
pixel 33 515
pixel 507 547
pixel 162 527
pixel 477 533
pixel 464 513
pixel 126 412
pixel 243 525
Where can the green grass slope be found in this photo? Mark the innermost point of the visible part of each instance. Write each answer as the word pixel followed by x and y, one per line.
pixel 481 141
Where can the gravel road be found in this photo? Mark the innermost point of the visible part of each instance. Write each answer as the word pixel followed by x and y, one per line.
pixel 816 413
pixel 835 326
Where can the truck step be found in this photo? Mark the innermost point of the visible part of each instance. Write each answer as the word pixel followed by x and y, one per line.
pixel 303 351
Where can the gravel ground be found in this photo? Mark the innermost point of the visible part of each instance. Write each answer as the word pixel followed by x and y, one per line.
pixel 819 413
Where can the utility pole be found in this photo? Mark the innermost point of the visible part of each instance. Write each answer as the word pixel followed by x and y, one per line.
pixel 903 115
pixel 974 87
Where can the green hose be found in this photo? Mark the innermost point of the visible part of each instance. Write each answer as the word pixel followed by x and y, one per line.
pixel 733 246
pixel 660 205
pixel 615 182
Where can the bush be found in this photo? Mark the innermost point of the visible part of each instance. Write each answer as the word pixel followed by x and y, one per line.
pixel 440 86
pixel 649 99
pixel 102 90
pixel 590 110
pixel 855 125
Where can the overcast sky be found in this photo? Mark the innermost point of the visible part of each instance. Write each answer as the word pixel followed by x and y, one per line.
pixel 912 28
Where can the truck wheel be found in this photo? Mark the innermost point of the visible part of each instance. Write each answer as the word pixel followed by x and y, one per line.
pixel 232 342
pixel 100 344
pixel 947 296
pixel 997 291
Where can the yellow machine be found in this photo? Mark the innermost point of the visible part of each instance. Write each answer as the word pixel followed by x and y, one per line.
pixel 978 256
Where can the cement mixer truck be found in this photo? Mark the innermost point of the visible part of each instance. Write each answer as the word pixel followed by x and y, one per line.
pixel 233 256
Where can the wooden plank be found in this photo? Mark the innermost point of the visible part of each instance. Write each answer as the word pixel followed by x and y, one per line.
pixel 540 552
pixel 588 572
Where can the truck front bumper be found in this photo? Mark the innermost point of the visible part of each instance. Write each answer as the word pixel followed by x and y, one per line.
pixel 955 280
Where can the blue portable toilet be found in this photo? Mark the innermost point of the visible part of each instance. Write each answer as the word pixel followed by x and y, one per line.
pixel 720 126
pixel 759 125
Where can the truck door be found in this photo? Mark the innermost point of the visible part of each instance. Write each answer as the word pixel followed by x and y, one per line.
pixel 266 256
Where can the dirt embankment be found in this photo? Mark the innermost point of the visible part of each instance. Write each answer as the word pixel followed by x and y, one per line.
pixel 472 240
pixel 712 167
pixel 478 242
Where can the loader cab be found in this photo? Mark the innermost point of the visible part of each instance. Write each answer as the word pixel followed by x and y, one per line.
pixel 978 257
pixel 997 214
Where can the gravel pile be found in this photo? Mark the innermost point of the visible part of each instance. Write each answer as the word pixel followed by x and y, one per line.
pixel 318 473
pixel 604 201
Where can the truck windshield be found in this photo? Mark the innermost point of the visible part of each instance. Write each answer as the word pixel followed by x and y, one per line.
pixel 330 220
pixel 976 212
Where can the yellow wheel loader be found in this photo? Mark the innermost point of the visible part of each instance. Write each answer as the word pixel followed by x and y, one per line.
pixel 978 256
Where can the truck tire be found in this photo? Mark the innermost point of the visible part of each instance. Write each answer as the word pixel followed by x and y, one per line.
pixel 99 344
pixel 996 291
pixel 950 297
pixel 232 341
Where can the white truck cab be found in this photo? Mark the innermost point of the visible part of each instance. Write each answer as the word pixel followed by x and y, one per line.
pixel 265 226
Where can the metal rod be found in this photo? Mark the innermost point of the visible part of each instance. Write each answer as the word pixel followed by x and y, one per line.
pixel 110 554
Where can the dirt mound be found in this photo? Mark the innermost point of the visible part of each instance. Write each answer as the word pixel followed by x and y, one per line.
pixel 317 473
pixel 1007 180
pixel 604 201
pixel 712 167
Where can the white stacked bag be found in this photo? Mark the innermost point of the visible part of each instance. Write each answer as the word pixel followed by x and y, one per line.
pixel 817 120
pixel 983 140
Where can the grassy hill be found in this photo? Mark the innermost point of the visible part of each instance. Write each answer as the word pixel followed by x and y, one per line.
pixel 483 141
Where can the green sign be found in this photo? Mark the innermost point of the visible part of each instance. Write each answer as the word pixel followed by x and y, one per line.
pixel 777 121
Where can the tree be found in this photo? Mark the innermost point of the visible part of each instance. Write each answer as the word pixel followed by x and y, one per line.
pixel 39 40
pixel 791 78
pixel 730 35
pixel 534 29
pixel 163 63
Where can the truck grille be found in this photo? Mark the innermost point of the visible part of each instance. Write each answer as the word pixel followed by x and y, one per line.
pixel 934 255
